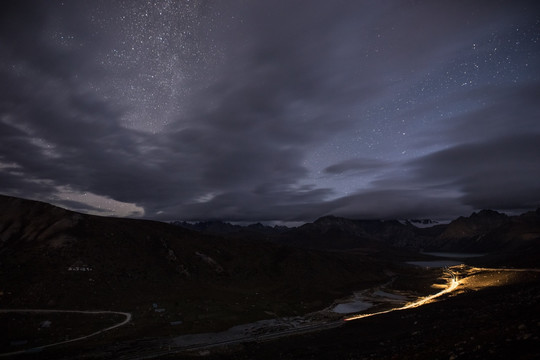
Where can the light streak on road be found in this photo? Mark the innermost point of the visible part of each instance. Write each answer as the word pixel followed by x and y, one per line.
pixel 452 285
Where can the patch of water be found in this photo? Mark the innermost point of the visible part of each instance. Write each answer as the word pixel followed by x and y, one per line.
pixel 434 263
pixel 352 307
pixel 452 255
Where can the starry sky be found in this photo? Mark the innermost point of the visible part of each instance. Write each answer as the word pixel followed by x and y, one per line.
pixel 281 110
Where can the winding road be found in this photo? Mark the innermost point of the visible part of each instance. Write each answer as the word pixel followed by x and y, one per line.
pixel 45 311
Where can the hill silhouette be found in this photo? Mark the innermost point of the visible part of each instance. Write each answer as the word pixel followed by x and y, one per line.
pixel 55 258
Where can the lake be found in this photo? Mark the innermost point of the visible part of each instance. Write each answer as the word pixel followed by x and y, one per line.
pixel 450 259
pixel 452 255
pixel 435 263
pixel 352 307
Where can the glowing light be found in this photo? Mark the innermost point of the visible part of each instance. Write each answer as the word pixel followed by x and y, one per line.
pixel 452 284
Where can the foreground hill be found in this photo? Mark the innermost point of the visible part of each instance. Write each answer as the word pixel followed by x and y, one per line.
pixel 55 258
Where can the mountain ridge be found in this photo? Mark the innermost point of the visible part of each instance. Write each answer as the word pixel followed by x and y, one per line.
pixel 485 231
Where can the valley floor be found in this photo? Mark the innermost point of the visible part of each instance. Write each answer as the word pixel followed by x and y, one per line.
pixel 490 323
pixel 493 313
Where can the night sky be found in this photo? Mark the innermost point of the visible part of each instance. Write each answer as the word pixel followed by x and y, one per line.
pixel 271 110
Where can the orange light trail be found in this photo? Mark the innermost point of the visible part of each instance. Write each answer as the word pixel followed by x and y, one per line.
pixel 453 283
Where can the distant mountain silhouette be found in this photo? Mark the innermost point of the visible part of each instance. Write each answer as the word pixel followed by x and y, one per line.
pixel 510 239
pixel 222 228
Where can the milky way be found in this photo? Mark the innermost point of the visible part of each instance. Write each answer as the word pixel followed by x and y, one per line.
pixel 271 110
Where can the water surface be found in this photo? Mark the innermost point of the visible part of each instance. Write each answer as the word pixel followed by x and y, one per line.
pixel 452 255
pixel 435 263
pixel 352 307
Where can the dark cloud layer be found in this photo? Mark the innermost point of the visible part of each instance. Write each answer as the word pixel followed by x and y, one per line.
pixel 501 173
pixel 358 165
pixel 271 110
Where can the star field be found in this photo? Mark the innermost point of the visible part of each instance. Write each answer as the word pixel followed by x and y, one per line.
pixel 271 110
pixel 154 58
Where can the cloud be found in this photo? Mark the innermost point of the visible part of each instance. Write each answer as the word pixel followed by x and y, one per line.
pixel 496 110
pixel 80 206
pixel 397 204
pixel 356 165
pixel 499 174
pixel 261 205
pixel 247 97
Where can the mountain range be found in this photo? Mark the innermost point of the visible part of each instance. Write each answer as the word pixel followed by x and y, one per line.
pixel 507 240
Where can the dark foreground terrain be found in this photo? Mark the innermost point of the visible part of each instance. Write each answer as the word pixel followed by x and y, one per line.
pixel 499 321
pixel 491 323
pixel 154 282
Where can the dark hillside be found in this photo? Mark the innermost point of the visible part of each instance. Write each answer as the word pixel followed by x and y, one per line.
pixel 54 258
